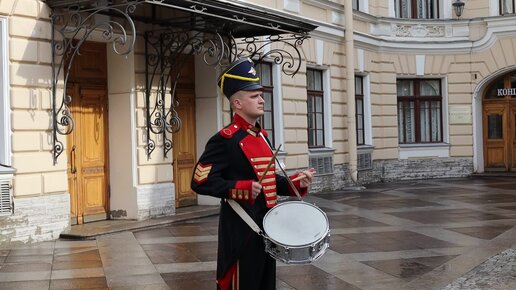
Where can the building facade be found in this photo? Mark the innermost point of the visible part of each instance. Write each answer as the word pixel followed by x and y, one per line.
pixel 380 91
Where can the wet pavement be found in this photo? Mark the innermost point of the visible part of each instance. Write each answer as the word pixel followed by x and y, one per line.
pixel 431 234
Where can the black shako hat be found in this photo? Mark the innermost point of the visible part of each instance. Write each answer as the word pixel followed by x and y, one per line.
pixel 239 76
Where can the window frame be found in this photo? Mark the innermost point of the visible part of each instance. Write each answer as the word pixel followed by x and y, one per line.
pixel 5 124
pixel 417 99
pixel 268 89
pixel 501 7
pixel 356 5
pixel 310 95
pixel 360 97
pixel 412 9
pixel 361 5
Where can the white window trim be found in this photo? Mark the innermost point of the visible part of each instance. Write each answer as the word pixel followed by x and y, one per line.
pixel 365 6
pixel 277 103
pixel 392 9
pixel 494 7
pixel 431 149
pixel 446 9
pixel 328 129
pixel 5 107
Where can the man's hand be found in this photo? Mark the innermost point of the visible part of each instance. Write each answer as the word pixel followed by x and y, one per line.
pixel 307 179
pixel 256 189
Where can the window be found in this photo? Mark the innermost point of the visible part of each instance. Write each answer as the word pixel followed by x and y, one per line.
pixel 507 7
pixel 356 4
pixel 359 107
pixel 315 100
pixel 264 71
pixel 417 9
pixel 419 111
pixel 5 127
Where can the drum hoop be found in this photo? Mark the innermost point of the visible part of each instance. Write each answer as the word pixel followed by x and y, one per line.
pixel 327 231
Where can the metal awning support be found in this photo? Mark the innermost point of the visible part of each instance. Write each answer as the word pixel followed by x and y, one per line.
pixel 163 56
pixel 71 27
pixel 218 30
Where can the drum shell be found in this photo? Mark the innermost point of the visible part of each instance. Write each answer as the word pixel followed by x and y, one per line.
pixel 298 254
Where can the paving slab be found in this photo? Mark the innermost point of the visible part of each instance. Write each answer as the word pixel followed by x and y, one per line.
pixel 443 234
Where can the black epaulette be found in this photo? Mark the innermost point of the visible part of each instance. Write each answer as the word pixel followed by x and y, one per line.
pixel 229 131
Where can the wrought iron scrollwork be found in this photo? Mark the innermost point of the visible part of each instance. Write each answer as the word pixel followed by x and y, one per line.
pixel 164 55
pixel 164 51
pixel 70 29
pixel 282 50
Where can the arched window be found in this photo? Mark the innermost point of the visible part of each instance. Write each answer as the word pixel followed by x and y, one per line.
pixel 503 87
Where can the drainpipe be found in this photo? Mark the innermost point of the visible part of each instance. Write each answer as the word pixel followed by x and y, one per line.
pixel 350 88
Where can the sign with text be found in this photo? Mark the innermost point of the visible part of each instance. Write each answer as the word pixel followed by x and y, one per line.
pixel 506 92
pixel 460 114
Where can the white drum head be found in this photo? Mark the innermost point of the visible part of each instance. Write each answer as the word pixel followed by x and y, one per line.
pixel 295 223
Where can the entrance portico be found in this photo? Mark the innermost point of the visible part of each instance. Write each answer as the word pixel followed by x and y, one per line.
pixel 149 101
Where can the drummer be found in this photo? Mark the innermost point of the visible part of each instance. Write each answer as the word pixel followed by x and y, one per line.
pixel 232 167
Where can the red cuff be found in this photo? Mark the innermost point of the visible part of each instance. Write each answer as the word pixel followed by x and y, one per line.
pixel 297 184
pixel 243 191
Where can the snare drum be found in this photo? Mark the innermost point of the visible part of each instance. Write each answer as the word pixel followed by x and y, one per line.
pixel 296 232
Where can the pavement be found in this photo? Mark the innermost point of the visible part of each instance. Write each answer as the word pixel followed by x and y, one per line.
pixel 429 234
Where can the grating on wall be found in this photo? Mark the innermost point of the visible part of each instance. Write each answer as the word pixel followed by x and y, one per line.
pixel 322 164
pixel 5 197
pixel 364 161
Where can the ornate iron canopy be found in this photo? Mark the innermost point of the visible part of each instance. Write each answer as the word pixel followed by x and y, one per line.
pixel 218 30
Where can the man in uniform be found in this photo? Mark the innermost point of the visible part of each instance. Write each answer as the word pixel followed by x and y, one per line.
pixel 232 167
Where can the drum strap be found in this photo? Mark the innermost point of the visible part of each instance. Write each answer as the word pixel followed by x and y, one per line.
pixel 245 216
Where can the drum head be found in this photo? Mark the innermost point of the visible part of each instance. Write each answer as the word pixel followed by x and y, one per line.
pixel 296 223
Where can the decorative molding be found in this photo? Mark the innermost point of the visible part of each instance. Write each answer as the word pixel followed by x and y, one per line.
pixel 417 30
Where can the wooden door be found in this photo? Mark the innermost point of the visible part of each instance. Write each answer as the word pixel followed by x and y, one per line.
pixel 184 156
pixel 184 151
pixel 87 144
pixel 88 155
pixel 495 131
pixel 512 136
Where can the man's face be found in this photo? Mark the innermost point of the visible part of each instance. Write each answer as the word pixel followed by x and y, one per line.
pixel 250 103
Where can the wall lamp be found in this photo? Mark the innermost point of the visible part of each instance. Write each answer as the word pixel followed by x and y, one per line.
pixel 458 7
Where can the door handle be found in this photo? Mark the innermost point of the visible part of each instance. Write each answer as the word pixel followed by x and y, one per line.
pixel 72 160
